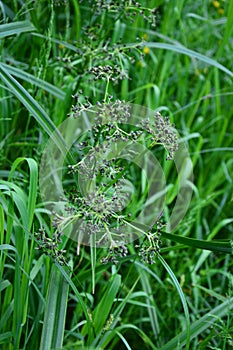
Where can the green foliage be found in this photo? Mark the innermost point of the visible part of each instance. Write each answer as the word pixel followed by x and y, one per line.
pixel 60 59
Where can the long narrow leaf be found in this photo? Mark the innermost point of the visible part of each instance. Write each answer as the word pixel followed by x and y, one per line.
pixel 199 326
pixel 193 54
pixel 147 287
pixel 146 339
pixel 32 185
pixel 15 28
pixel 6 338
pixel 50 310
pixel 1 225
pixel 62 303
pixel 215 246
pixel 35 109
pixel 116 314
pixel 19 73
pixel 93 260
pixel 101 313
pixel 79 297
pixel 182 298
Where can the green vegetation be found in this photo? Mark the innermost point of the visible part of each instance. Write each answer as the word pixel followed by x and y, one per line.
pixel 60 62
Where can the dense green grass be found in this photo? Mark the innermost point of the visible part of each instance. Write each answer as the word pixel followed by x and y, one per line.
pixel 182 68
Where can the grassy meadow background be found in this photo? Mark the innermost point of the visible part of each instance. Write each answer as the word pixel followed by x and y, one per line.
pixel 181 67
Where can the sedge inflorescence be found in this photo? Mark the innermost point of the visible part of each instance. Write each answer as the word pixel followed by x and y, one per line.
pixel 101 56
pixel 102 208
pixel 150 246
pixel 50 245
pixel 128 9
pixel 107 203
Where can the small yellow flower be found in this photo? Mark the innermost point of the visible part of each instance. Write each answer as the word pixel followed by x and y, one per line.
pixel 145 36
pixel 221 11
pixel 146 50
pixel 61 46
pixel 216 4
pixel 141 64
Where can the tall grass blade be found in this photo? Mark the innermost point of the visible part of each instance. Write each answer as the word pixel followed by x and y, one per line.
pixel 5 338
pixel 33 181
pixel 193 54
pixel 147 287
pixel 19 73
pixel 1 225
pixel 101 313
pixel 182 298
pixel 35 109
pixel 62 302
pixel 50 310
pixel 93 260
pixel 77 294
pixel 15 28
pixel 214 246
pixel 199 326
pixel 116 314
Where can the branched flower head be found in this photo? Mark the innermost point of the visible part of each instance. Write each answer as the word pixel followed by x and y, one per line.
pixel 150 246
pixel 50 245
pixel 116 251
pixel 101 58
pixel 162 132
pixel 128 9
pixel 107 72
pixel 98 207
pixel 98 210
